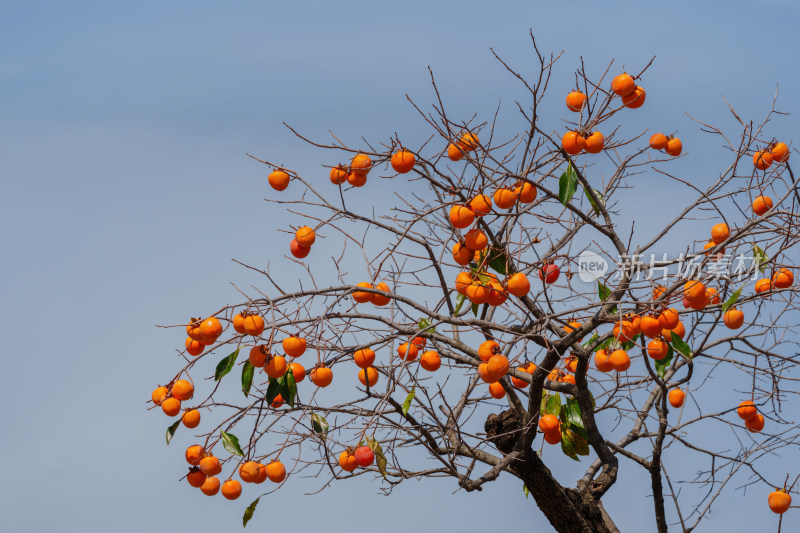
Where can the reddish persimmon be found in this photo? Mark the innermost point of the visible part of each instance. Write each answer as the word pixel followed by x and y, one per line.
pixel 783 279
pixel 195 477
pixel 549 273
pixel 476 240
pixel 297 250
pixel 763 285
pixel 779 501
pixel 746 410
pixel 357 179
pixel 364 456
pixel 552 437
pixel 657 349
pixel 548 423
pixel 379 299
pixel 298 371
pixel 258 355
pixel 210 465
pixel 601 361
pixel 755 424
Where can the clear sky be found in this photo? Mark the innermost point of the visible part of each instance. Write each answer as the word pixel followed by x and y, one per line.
pixel 125 191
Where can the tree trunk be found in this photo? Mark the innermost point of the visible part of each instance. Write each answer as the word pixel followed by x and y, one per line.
pixel 568 510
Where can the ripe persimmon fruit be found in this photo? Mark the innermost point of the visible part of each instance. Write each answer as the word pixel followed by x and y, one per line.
pixel 347 461
pixel 338 175
pixel 763 285
pixel 194 454
pixel 364 357
pixel 477 293
pixel 360 164
pixel 258 355
pixel 254 325
pixel 171 406
pixel 504 198
pixel 195 477
pixel 379 299
pixel 779 501
pixel 159 395
pixel 294 346
pixel 575 101
pixel 762 159
pixel 733 318
pixel 231 489
pixel 518 285
pixel 676 397
pixel 497 366
pixel 623 84
pixel 191 419
pixel 779 152
pixel 454 153
pixel 594 143
pixel 321 376
pixel 476 240
pixel 408 351
pixel 461 216
pixel 468 141
pixel 364 456
pixel 549 273
pixel 249 472
pixel 657 349
pixel 210 486
pixel 462 255
pixel 573 142
pixel 430 361
pixel 363 296
pixel 210 465
pixel 650 327
pixel 305 236
pixel 674 147
pixel 720 233
pixel 552 437
pixel 496 390
pixel 635 99
pixel 278 180
pixel 526 193
pixel 297 250
pixel 194 347
pixel 548 423
pixel 746 410
pixel 368 373
pixel 276 472
pixel 481 205
pixel 755 424
pixel 487 349
pixel 620 361
pixel 520 383
pixel 483 373
pixel 658 141
pixel 761 205
pixel 402 161
pixel 357 179
pixel 601 361
pixel 276 366
pixel 783 278
pixel 298 371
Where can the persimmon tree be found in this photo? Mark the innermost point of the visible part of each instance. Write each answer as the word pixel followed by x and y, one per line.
pixel 472 338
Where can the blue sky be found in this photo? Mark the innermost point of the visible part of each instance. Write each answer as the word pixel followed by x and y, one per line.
pixel 125 191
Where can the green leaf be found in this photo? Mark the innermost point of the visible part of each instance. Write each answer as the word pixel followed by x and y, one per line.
pixel 231 443
pixel 603 292
pixel 592 340
pixel 248 513
pixel 409 398
pixel 226 365
pixel 631 343
pixel 599 197
pixel 497 261
pixel 247 377
pixel 525 490
pixel 732 300
pixel 288 387
pixel 567 443
pixel 475 308
pixel 760 257
pixel 171 430
pixel 579 443
pixel 567 185
pixel 320 425
pixel 273 389
pixel 459 303
pixel 573 412
pixel 426 326
pixel 681 346
pixel 553 404
pixel 662 364
pixel 380 459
